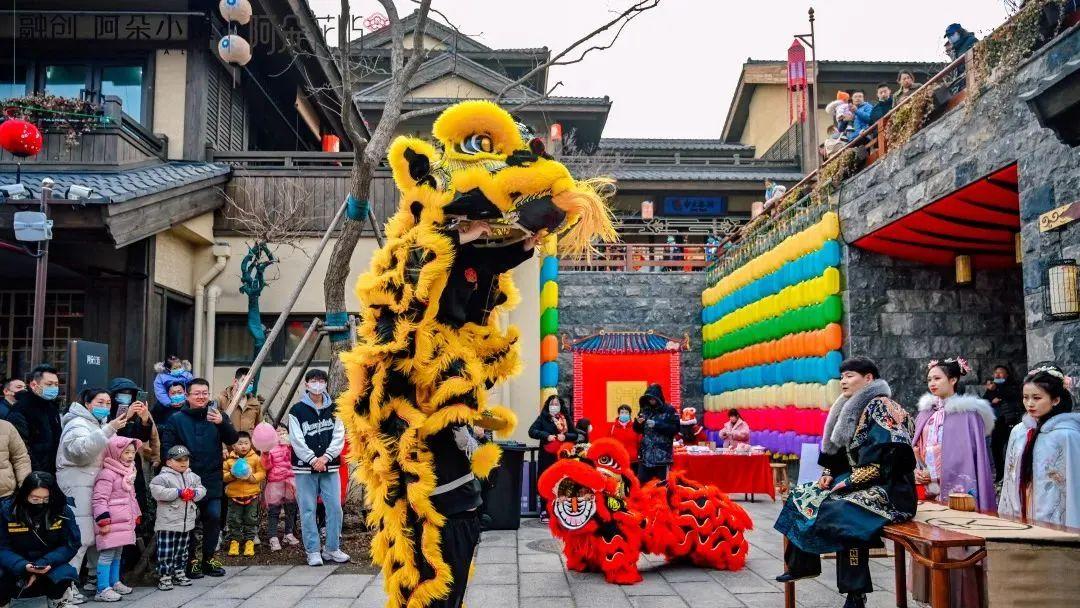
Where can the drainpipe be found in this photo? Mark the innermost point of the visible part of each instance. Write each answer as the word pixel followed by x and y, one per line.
pixel 221 257
pixel 212 295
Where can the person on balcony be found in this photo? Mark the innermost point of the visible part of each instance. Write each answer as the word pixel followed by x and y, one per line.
pixel 861 110
pixel 906 80
pixel 884 103
pixel 839 109
pixel 958 40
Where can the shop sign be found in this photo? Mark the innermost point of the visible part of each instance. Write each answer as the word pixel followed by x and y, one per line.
pixel 1065 214
pixel 695 205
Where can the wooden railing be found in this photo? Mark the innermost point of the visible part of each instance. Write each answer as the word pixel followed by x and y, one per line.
pixel 643 257
pixel 679 160
pixel 324 161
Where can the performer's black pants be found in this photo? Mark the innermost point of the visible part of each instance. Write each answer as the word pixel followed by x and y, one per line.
pixel 646 473
pixel 460 536
pixel 852 567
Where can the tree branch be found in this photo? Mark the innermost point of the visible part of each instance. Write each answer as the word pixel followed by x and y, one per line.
pixel 630 13
pixel 529 102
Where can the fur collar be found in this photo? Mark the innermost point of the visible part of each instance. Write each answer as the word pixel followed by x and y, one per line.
pixel 844 415
pixel 963 403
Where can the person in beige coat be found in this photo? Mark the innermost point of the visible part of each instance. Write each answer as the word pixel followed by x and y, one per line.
pixel 248 411
pixel 14 459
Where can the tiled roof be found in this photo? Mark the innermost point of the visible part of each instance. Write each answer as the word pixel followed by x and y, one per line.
pixel 626 342
pixel 836 62
pixel 548 101
pixel 445 64
pixel 120 186
pixel 636 143
pixel 672 173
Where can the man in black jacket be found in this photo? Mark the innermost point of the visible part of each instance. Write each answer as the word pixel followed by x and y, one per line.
pixel 884 103
pixel 657 423
pixel 202 429
pixel 36 416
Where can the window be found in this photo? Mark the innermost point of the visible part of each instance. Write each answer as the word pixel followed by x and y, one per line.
pixel 14 81
pixel 233 344
pixel 66 80
pixel 126 82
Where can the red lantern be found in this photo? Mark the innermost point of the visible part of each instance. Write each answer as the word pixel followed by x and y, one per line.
pixel 796 80
pixel 20 137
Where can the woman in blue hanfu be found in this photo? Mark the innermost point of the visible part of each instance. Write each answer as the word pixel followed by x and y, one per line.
pixel 867 481
pixel 1042 463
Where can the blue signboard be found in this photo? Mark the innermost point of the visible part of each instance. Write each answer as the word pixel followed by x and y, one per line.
pixel 695 205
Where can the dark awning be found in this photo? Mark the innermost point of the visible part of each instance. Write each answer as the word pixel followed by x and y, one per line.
pixel 980 220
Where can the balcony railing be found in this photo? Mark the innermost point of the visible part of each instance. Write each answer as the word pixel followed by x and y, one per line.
pixel 644 257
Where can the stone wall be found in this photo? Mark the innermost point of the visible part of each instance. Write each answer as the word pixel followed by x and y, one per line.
pixel 668 303
pixel 977 138
pixel 902 314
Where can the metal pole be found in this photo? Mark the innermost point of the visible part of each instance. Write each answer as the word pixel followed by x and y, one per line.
pixel 37 340
pixel 814 94
pixel 300 376
pixel 280 323
pixel 312 328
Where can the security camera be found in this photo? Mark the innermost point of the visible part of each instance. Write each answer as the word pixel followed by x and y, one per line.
pixel 77 192
pixel 15 192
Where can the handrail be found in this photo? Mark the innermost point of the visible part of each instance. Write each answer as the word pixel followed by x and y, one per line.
pixel 643 257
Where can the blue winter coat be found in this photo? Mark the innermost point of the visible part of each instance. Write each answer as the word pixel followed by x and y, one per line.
pixel 656 438
pixel 164 377
pixel 54 546
pixel 862 117
pixel 190 428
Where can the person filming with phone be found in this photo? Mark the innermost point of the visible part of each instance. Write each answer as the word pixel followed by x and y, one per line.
pixel 202 428
pixel 38 537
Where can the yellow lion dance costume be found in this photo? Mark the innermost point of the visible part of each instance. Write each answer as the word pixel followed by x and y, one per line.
pixel 429 342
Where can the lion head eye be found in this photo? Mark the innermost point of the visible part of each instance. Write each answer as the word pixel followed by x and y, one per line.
pixel 606 461
pixel 477 144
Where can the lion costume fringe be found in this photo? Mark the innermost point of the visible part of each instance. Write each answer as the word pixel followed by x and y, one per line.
pixel 429 341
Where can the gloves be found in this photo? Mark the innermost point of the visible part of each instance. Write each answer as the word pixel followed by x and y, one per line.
pixel 187 494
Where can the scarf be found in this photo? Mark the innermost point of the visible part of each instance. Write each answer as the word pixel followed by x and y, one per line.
pixel 1028 455
pixel 560 423
pixel 125 470
pixel 844 416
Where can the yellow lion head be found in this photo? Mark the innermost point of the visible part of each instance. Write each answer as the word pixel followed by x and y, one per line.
pixel 484 170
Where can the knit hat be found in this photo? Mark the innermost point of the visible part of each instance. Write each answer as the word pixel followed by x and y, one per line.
pixel 842 96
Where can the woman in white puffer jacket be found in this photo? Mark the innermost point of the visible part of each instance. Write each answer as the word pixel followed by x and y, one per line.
pixel 83 439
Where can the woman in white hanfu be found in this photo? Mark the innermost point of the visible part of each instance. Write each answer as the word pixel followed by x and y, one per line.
pixel 1042 463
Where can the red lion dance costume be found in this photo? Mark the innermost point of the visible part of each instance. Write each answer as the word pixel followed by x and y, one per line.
pixel 600 510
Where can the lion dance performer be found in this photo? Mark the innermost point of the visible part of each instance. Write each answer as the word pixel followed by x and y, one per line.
pixel 606 518
pixel 430 345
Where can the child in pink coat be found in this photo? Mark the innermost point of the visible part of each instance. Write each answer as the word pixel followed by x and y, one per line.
pixel 280 491
pixel 116 512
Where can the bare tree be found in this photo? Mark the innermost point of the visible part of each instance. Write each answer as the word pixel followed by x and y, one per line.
pixel 587 163
pixel 404 63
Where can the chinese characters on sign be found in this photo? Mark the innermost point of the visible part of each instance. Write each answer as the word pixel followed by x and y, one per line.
pixel 695 205
pixel 133 27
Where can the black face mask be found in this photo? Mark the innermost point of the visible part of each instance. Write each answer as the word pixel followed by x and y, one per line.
pixel 36 511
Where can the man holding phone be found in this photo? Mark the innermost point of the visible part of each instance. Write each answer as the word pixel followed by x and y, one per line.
pixel 200 427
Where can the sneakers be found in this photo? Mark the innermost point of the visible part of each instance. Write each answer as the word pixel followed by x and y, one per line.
pixel 314 559
pixel 90 586
pixel 75 597
pixel 257 541
pixel 181 580
pixel 234 547
pixel 291 540
pixel 121 588
pixel 165 583
pixel 249 548
pixel 337 555
pixel 107 595
pixel 275 544
pixel 213 567
pixel 194 569
pixel 60 603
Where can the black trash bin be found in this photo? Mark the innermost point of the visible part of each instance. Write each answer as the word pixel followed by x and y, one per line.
pixel 502 495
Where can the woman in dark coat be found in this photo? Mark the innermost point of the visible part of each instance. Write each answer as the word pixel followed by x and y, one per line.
pixel 1004 396
pixel 552 428
pixel 38 537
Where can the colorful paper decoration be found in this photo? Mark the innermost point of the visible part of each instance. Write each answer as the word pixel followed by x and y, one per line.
pixel 549 317
pixel 234 49
pixel 238 11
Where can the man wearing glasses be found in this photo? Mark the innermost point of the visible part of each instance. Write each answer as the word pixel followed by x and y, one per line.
pixel 202 429
pixel 36 416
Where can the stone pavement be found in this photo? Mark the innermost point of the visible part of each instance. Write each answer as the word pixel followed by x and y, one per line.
pixel 524 569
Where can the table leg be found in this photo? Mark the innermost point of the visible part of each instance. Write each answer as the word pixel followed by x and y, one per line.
pixel 900 567
pixel 940 593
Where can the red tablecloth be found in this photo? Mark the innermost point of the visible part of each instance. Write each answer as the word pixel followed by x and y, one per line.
pixel 731 473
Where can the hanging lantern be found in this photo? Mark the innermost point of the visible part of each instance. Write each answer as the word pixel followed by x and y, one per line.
pixel 234 49
pixel 1063 290
pixel 963 269
pixel 646 210
pixel 20 137
pixel 1019 244
pixel 796 82
pixel 235 10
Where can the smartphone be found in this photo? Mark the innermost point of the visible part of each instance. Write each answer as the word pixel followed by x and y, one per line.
pixel 142 396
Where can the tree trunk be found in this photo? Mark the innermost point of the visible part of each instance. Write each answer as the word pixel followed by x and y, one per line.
pixel 338 268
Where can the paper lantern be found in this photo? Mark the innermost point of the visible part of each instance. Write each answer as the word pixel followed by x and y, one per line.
pixel 549 374
pixel 19 137
pixel 241 469
pixel 549 322
pixel 238 11
pixel 549 270
pixel 234 49
pixel 549 295
pixel 264 437
pixel 549 349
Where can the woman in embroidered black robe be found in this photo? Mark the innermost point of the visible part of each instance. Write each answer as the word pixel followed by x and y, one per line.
pixel 867 481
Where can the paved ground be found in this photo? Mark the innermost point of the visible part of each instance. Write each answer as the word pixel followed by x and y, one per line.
pixel 523 569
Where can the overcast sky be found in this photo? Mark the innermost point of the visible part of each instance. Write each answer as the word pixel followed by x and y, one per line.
pixel 673 70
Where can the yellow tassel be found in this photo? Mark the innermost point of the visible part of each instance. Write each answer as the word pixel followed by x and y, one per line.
pixel 588 217
pixel 484 459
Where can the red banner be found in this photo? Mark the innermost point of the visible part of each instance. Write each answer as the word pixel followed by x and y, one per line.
pixel 594 371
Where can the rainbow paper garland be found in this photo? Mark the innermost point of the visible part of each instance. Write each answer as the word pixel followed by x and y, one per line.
pixel 549 318
pixel 771 340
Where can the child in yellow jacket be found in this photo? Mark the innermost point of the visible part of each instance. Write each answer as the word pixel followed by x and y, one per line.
pixel 244 475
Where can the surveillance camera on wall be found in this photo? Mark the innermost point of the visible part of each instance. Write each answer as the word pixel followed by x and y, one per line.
pixel 76 192
pixel 15 192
